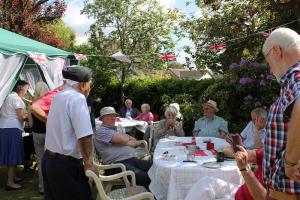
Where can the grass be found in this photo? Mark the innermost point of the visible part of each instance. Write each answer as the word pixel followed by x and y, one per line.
pixel 30 186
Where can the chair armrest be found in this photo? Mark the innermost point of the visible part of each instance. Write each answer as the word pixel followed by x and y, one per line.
pixel 144 142
pixel 119 175
pixel 144 195
pixel 112 166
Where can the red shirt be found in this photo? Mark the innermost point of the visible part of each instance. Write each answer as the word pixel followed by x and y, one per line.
pixel 243 193
pixel 45 101
pixel 148 117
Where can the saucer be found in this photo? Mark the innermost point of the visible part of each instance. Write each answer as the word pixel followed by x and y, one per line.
pixel 172 137
pixel 212 165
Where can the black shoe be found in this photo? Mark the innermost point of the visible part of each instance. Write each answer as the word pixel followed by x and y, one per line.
pixel 9 188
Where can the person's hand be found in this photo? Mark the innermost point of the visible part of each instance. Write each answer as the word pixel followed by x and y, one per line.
pixel 293 172
pixel 241 157
pixel 93 168
pixel 173 123
pixel 167 123
pixel 229 139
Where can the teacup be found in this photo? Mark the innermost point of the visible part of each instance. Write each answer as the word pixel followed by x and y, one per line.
pixel 191 150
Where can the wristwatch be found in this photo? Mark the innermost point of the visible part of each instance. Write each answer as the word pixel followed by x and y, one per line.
pixel 247 168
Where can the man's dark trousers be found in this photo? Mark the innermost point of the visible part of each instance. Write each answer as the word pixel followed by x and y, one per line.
pixel 64 178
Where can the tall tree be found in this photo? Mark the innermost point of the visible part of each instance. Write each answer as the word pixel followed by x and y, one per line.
pixel 138 28
pixel 28 18
pixel 234 22
pixel 64 33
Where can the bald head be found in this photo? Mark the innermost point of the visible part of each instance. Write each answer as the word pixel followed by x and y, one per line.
pixel 282 50
pixel 128 103
pixel 286 38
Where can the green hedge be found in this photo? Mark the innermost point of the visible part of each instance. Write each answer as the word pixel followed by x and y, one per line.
pixel 245 86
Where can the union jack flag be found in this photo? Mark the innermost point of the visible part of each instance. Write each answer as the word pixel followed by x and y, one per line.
pixel 218 48
pixel 167 56
pixel 38 58
pixel 80 56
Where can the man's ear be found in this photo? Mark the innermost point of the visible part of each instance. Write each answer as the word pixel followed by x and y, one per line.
pixel 277 50
pixel 82 85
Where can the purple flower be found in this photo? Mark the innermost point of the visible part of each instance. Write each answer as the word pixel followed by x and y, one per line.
pixel 255 64
pixel 262 76
pixel 269 77
pixel 246 80
pixel 262 83
pixel 248 97
pixel 233 65
pixel 257 104
pixel 245 62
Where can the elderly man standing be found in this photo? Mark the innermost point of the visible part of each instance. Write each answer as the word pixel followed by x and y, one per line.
pixel 69 139
pixel 115 147
pixel 282 152
pixel 210 125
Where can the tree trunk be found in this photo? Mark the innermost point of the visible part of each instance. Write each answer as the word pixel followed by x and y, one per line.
pixel 123 77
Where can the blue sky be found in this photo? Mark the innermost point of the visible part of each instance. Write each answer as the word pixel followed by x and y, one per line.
pixel 80 23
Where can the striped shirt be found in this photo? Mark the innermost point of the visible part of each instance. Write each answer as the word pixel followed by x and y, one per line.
pixel 276 133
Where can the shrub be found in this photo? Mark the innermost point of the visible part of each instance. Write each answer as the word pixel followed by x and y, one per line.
pixel 245 86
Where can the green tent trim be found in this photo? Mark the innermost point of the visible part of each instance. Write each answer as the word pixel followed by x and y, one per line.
pixel 12 43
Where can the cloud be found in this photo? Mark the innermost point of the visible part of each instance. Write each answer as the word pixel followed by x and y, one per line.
pixel 81 23
pixel 167 3
pixel 78 22
pixel 180 50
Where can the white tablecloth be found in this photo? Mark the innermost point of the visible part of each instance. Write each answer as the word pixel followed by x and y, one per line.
pixel 127 124
pixel 173 179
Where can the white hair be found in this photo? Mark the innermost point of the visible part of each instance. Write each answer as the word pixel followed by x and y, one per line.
pixel 41 88
pixel 286 38
pixel 175 105
pixel 171 109
pixel 260 112
pixel 146 106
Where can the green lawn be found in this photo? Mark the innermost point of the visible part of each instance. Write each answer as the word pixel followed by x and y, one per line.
pixel 30 186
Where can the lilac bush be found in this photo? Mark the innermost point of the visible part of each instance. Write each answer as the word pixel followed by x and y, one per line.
pixel 245 80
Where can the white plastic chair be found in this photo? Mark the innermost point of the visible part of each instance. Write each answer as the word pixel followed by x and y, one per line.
pixel 116 182
pixel 130 192
pixel 153 127
pixel 142 151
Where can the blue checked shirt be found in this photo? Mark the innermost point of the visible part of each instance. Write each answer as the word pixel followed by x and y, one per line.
pixel 276 134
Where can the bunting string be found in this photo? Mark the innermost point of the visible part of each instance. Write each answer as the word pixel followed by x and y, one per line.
pixel 220 47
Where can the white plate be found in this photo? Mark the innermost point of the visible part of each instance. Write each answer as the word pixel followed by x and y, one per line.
pixel 172 137
pixel 229 159
pixel 213 165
